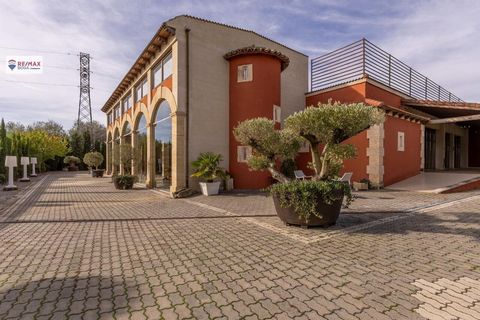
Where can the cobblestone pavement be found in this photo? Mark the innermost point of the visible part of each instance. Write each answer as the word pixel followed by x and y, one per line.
pixel 75 248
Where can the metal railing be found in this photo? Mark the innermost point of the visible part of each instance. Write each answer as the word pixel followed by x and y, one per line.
pixel 363 58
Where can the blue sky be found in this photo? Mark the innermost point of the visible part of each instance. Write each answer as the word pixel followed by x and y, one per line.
pixel 441 39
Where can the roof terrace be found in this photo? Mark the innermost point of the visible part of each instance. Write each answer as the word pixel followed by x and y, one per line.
pixel 363 58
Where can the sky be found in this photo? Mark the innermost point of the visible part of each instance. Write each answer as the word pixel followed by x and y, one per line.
pixel 440 39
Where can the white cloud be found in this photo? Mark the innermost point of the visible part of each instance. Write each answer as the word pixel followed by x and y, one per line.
pixel 441 39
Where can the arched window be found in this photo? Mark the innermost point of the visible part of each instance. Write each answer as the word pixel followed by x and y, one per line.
pixel 163 146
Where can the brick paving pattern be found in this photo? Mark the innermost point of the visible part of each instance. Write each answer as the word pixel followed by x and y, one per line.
pixel 75 248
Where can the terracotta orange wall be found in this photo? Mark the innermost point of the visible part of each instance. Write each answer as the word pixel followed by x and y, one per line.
pixel 358 165
pixel 399 165
pixel 376 93
pixel 354 93
pixel 251 100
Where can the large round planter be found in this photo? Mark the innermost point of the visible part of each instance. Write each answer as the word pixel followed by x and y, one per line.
pixel 210 188
pixel 97 173
pixel 329 213
pixel 70 168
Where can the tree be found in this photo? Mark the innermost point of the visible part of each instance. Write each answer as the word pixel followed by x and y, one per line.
pixel 51 127
pixel 4 146
pixel 93 159
pixel 269 146
pixel 124 155
pixel 327 126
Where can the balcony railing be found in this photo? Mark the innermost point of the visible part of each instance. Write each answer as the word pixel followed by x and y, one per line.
pixel 361 58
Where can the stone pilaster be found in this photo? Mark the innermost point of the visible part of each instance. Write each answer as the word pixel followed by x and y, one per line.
pixel 135 152
pixel 150 181
pixel 179 173
pixel 375 153
pixel 108 155
pixel 422 147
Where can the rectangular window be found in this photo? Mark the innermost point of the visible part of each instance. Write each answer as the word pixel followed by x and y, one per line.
pixel 163 70
pixel 305 147
pixel 141 90
pixel 245 73
pixel 277 114
pixel 127 103
pixel 167 66
pixel 109 118
pixel 243 153
pixel 116 112
pixel 401 141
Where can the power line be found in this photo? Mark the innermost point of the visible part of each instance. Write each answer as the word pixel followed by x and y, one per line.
pixel 41 51
pixel 42 83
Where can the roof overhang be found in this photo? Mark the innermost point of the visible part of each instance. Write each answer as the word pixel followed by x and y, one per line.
pixel 462 113
pixel 154 46
pixel 406 113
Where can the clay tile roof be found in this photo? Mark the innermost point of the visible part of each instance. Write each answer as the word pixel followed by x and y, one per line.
pixel 408 112
pixel 259 50
pixel 441 104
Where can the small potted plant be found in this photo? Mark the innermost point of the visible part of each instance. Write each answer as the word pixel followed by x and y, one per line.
pixel 228 181
pixel 207 168
pixel 363 184
pixel 94 159
pixel 318 201
pixel 124 156
pixel 72 162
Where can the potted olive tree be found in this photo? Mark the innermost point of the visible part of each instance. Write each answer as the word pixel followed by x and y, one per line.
pixel 94 159
pixel 124 156
pixel 315 202
pixel 72 162
pixel 207 168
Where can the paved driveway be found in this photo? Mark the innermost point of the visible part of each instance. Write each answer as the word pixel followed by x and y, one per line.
pixel 75 248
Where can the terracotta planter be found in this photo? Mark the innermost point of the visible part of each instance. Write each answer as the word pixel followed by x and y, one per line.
pixel 123 184
pixel 329 213
pixel 70 168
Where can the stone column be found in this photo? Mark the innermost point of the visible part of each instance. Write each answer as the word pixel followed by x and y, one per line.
pixel 108 154
pixel 135 153
pixel 122 169
pixel 178 151
pixel 150 181
pixel 114 153
pixel 375 153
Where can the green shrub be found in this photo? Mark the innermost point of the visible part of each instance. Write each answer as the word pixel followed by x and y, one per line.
pixel 207 167
pixel 124 182
pixel 3 179
pixel 303 195
pixel 93 159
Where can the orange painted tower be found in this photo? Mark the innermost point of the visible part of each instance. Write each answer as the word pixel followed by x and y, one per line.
pixel 255 91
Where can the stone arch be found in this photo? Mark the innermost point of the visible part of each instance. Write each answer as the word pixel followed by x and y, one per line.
pixel 162 93
pixel 141 109
pixel 125 122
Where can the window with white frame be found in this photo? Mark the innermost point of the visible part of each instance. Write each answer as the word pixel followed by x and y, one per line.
pixel 401 141
pixel 305 147
pixel 109 118
pixel 245 73
pixel 163 70
pixel 243 153
pixel 141 90
pixel 277 114
pixel 127 103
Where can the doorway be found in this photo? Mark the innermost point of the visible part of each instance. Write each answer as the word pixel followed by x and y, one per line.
pixel 430 149
pixel 448 151
pixel 457 149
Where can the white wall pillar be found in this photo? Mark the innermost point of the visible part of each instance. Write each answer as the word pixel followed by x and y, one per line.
pixel 375 153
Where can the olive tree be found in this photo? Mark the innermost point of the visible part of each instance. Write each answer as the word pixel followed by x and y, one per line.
pixel 325 128
pixel 93 159
pixel 269 146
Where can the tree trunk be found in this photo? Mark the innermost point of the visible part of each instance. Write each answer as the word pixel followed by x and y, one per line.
pixel 324 171
pixel 316 161
pixel 280 177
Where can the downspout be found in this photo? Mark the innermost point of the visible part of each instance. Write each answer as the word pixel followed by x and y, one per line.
pixel 187 103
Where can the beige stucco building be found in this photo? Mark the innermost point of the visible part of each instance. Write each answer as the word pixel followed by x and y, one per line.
pixel 173 103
